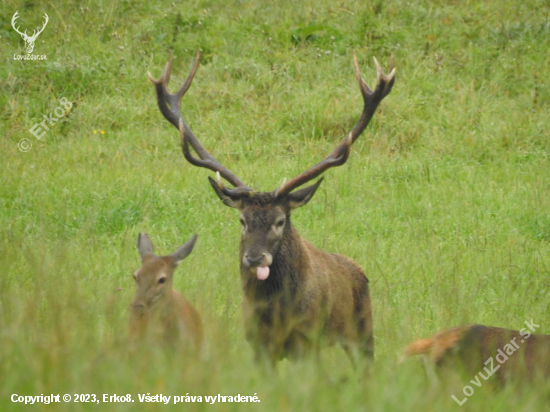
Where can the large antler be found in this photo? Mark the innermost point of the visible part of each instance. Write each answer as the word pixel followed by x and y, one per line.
pixel 339 156
pixel 170 106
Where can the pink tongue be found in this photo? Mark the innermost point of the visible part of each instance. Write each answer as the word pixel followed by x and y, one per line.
pixel 262 272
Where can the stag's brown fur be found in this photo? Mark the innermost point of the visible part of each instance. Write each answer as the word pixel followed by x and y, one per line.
pixel 468 347
pixel 310 296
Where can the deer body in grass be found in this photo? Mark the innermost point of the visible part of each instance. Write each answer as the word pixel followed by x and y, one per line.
pixel 490 351
pixel 295 295
pixel 159 312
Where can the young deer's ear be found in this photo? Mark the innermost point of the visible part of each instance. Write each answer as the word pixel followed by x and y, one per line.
pixel 227 200
pixel 145 246
pixel 301 197
pixel 184 251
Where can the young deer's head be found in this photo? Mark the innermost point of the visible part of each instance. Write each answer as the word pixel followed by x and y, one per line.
pixel 265 216
pixel 154 278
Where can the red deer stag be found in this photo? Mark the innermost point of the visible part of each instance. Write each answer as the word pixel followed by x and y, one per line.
pixel 487 350
pixel 294 294
pixel 159 312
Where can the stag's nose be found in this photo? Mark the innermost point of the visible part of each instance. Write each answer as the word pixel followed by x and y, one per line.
pixel 251 261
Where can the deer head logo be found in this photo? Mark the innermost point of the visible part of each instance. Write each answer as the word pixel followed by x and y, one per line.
pixel 29 40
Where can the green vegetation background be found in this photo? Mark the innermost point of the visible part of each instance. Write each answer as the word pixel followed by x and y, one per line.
pixel 444 200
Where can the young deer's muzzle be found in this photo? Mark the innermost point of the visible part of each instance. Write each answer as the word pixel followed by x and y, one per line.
pixel 138 308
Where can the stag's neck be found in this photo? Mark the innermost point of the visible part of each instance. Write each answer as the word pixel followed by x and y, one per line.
pixel 286 271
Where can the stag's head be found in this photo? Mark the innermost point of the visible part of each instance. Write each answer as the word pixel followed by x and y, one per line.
pixel 29 40
pixel 265 221
pixel 265 216
pixel 154 279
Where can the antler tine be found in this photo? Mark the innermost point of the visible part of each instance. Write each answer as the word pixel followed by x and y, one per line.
pixel 170 104
pixel 339 156
pixel 170 107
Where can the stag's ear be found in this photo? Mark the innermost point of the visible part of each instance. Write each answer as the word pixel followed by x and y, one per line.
pixel 184 251
pixel 145 246
pixel 301 197
pixel 231 201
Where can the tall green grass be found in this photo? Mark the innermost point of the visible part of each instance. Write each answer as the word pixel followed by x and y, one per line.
pixel 444 200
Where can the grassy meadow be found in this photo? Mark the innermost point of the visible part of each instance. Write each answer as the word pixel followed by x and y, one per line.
pixel 444 200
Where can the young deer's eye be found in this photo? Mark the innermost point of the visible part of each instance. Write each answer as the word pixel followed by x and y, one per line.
pixel 162 280
pixel 135 277
pixel 243 224
pixel 280 223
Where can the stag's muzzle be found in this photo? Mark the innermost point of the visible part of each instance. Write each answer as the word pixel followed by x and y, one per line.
pixel 259 265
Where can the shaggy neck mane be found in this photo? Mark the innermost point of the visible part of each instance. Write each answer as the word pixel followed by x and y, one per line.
pixel 285 270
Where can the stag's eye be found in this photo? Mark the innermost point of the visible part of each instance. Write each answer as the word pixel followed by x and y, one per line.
pixel 162 280
pixel 243 224
pixel 135 277
pixel 280 223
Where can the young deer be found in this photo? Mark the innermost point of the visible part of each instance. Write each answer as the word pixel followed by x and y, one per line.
pixel 295 295
pixel 159 312
pixel 487 350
